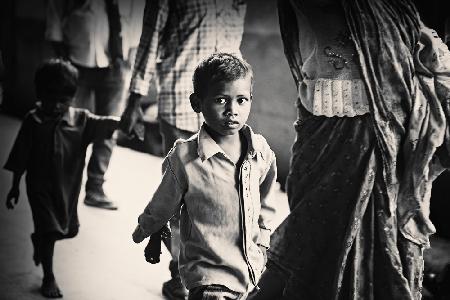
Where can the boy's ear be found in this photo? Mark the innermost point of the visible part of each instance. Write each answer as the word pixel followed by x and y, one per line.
pixel 195 103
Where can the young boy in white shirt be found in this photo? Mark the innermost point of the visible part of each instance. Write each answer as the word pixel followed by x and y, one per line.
pixel 221 180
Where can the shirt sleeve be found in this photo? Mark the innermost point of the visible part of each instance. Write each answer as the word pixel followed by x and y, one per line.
pixel 100 127
pixel 268 202
pixel 20 153
pixel 166 201
pixel 54 19
pixel 154 20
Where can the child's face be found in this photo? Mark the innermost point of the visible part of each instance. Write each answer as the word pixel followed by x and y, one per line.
pixel 55 108
pixel 226 106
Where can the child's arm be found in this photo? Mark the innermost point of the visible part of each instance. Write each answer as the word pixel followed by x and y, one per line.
pixel 165 202
pixel 100 127
pixel 18 159
pixel 268 205
pixel 14 192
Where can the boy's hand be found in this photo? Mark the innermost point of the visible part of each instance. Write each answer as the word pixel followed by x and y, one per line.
pixel 12 198
pixel 131 122
pixel 152 251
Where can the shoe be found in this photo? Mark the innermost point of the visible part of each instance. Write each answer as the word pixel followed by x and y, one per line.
pixel 99 200
pixel 174 289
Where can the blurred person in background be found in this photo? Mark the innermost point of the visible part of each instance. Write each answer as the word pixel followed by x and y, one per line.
pixel 97 36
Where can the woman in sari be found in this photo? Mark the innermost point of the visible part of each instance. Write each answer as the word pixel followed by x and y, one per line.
pixel 372 134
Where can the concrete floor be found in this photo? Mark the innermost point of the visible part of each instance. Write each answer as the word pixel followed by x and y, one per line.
pixel 102 262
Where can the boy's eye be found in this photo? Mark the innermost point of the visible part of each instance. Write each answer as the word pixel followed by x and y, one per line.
pixel 242 100
pixel 221 100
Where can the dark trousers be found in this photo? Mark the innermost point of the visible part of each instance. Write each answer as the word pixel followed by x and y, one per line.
pixel 101 90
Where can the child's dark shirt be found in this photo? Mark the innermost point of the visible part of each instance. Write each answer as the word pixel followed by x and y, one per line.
pixel 52 153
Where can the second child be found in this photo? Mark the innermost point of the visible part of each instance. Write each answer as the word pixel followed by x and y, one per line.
pixel 221 180
pixel 51 148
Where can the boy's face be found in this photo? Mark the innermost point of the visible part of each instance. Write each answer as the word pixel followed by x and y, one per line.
pixel 226 106
pixel 54 108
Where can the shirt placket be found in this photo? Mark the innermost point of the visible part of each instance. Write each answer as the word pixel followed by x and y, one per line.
pixel 246 209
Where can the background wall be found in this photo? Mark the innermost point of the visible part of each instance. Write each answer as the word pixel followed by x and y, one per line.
pixel 273 109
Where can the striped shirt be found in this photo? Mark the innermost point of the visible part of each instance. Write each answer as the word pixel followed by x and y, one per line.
pixel 176 36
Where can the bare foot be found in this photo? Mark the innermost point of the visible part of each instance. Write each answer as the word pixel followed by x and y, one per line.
pixel 50 288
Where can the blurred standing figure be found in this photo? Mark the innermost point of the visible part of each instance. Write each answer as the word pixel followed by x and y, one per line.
pixel 176 36
pixel 95 36
pixel 372 134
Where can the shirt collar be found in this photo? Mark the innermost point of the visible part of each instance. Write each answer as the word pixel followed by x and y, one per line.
pixel 207 147
pixel 68 116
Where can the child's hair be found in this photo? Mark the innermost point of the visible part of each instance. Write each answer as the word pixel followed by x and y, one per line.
pixel 56 80
pixel 219 67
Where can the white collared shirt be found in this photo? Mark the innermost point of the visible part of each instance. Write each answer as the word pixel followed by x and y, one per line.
pixel 85 29
pixel 226 211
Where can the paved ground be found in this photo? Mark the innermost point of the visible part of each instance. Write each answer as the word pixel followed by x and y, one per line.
pixel 102 262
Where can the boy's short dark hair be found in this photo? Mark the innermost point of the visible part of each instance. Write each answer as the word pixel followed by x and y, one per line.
pixel 219 67
pixel 56 80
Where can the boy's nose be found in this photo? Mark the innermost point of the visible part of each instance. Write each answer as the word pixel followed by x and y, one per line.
pixel 231 109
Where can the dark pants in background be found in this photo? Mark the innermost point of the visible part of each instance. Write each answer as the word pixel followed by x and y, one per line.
pixel 101 90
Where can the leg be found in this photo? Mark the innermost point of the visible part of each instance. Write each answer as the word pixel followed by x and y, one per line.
pixel 49 286
pixel 35 239
pixel 108 101
pixel 173 289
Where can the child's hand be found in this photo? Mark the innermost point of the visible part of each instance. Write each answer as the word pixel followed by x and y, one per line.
pixel 152 251
pixel 131 121
pixel 12 195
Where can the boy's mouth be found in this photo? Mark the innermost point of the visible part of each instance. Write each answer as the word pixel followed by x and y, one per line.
pixel 231 123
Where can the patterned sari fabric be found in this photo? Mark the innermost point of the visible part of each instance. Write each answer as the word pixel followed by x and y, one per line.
pixel 359 187
pixel 342 230
pixel 409 120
